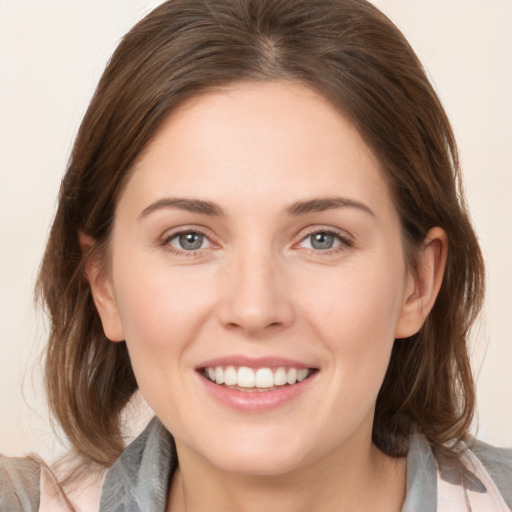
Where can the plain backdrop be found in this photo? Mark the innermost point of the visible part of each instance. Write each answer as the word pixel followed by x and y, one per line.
pixel 52 54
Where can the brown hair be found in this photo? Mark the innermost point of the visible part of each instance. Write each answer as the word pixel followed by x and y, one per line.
pixel 352 54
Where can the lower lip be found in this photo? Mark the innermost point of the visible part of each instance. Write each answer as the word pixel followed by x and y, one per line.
pixel 256 401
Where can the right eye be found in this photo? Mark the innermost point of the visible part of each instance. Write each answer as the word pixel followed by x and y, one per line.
pixel 188 241
pixel 323 240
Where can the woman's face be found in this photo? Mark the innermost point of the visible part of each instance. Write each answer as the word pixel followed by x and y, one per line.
pixel 256 242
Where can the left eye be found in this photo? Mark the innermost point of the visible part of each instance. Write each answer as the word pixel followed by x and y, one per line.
pixel 321 241
pixel 189 241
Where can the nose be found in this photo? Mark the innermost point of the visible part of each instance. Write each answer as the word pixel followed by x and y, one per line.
pixel 256 298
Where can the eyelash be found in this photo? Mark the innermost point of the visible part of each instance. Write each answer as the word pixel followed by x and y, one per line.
pixel 345 242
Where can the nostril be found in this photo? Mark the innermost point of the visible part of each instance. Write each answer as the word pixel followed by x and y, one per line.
pixel 235 326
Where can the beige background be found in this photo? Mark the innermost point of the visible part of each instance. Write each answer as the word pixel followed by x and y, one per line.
pixel 52 53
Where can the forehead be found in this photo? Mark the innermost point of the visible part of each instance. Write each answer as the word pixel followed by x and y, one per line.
pixel 255 141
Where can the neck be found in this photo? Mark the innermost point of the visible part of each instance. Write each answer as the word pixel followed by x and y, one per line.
pixel 341 481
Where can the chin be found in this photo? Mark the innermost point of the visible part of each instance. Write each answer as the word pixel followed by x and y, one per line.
pixel 258 463
pixel 257 451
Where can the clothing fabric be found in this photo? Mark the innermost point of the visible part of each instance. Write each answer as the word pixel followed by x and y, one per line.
pixel 481 481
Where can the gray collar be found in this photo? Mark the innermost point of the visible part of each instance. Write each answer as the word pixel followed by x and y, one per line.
pixel 139 479
pixel 421 490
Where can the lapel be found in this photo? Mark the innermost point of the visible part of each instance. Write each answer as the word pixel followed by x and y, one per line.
pixel 139 480
pixel 421 477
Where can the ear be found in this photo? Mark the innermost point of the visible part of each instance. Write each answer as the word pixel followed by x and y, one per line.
pixel 424 284
pixel 102 289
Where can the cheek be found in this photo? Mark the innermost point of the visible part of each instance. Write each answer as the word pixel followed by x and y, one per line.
pixel 160 318
pixel 359 299
pixel 356 317
pixel 161 311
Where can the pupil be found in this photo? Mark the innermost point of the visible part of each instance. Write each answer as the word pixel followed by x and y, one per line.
pixel 191 241
pixel 322 241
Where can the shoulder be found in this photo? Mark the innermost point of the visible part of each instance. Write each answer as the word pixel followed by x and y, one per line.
pixel 436 479
pixel 19 484
pixel 29 485
pixel 498 463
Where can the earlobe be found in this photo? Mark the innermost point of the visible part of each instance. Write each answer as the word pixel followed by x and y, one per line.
pixel 423 285
pixel 102 289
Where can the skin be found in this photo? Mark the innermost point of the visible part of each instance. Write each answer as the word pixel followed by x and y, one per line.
pixel 257 287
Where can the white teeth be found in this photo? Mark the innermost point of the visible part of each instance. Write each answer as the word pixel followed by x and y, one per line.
pixel 219 375
pixel 302 374
pixel 291 376
pixel 230 376
pixel 262 378
pixel 280 377
pixel 245 377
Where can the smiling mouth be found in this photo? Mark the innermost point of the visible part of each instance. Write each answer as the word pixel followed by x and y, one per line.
pixel 243 378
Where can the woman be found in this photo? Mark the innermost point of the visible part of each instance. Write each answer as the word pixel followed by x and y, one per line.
pixel 262 229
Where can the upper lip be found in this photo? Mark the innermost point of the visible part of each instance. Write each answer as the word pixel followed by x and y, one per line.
pixel 253 362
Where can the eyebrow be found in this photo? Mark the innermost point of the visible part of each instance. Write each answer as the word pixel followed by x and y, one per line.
pixel 325 203
pixel 190 205
pixel 295 209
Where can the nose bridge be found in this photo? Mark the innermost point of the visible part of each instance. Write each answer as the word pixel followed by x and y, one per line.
pixel 255 296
